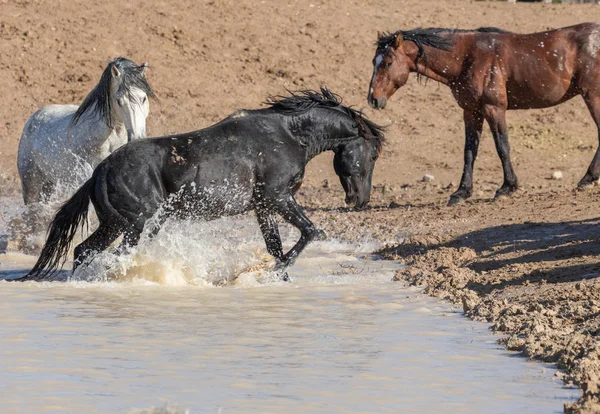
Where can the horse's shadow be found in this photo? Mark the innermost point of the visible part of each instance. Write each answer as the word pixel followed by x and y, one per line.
pixel 14 274
pixel 504 246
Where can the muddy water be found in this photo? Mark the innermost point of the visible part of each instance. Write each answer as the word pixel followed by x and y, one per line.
pixel 151 328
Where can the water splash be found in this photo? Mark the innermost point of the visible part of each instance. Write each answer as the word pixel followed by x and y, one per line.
pixel 23 228
pixel 200 253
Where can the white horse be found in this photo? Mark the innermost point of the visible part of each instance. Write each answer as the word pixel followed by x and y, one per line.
pixel 62 144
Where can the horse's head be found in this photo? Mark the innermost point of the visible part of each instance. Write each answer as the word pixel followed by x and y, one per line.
pixel 354 162
pixel 320 122
pixel 403 52
pixel 121 97
pixel 393 62
pixel 130 95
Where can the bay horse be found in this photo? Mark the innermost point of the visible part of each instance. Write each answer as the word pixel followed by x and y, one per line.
pixel 62 144
pixel 251 160
pixel 490 71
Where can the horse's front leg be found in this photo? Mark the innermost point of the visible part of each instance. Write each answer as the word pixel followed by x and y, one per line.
pixel 496 118
pixel 473 126
pixel 289 209
pixel 270 232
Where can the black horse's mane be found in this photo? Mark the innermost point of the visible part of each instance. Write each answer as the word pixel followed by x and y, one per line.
pixel 98 101
pixel 299 102
pixel 436 37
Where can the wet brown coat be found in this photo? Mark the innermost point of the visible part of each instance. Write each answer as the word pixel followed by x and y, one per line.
pixel 490 71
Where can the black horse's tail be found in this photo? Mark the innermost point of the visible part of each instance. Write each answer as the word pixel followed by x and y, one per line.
pixel 62 231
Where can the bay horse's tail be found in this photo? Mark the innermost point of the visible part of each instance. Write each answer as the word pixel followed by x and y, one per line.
pixel 62 231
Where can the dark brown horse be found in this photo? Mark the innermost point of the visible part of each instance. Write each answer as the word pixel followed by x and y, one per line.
pixel 490 71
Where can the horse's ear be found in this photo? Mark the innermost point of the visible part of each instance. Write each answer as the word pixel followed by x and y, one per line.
pixel 397 40
pixel 115 71
pixel 379 35
pixel 143 68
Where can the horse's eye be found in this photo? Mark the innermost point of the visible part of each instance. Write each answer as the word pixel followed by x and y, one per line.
pixel 145 99
pixel 120 102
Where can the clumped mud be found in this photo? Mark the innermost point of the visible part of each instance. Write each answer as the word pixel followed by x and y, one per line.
pixel 529 265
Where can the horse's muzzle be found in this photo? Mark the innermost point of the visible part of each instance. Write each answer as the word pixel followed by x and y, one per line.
pixel 351 200
pixel 132 137
pixel 377 103
pixel 357 202
pixel 360 205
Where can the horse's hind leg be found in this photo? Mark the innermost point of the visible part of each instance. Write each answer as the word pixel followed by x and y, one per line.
pixel 36 193
pixel 131 238
pixel 99 240
pixel 593 172
pixel 496 118
pixel 132 233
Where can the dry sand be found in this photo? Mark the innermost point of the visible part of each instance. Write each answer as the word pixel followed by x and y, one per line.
pixel 529 265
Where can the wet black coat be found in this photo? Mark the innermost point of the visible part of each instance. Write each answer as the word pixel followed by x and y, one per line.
pixel 252 160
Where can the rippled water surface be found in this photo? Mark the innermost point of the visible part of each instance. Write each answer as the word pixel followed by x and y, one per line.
pixel 341 337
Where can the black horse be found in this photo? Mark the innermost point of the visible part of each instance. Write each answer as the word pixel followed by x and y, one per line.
pixel 251 160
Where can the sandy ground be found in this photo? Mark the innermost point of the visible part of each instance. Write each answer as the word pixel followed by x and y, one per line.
pixel 529 265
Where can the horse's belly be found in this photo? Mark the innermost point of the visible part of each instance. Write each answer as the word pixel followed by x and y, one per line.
pixel 525 96
pixel 213 202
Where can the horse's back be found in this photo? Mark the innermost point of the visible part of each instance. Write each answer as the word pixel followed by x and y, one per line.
pixel 138 178
pixel 41 136
pixel 588 35
pixel 540 69
pixel 51 120
pixel 578 41
pixel 213 170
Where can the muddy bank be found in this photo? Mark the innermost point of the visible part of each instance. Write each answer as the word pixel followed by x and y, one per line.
pixel 527 265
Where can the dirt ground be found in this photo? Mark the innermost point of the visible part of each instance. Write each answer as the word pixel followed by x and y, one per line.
pixel 529 265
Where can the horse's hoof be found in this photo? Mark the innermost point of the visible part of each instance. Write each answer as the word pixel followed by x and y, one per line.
pixel 504 193
pixel 455 200
pixel 320 235
pixel 586 185
pixel 285 277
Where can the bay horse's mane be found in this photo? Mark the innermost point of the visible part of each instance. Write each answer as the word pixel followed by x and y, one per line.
pixel 98 101
pixel 436 37
pixel 299 102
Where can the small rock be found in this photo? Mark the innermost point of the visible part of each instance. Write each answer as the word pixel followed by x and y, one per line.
pixel 557 175
pixel 321 235
pixel 515 343
pixel 428 177
pixel 470 300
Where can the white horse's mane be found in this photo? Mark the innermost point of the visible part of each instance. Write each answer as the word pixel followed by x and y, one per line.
pixel 98 102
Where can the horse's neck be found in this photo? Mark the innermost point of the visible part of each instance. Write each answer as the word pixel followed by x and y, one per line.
pixel 440 65
pixel 320 137
pixel 95 139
